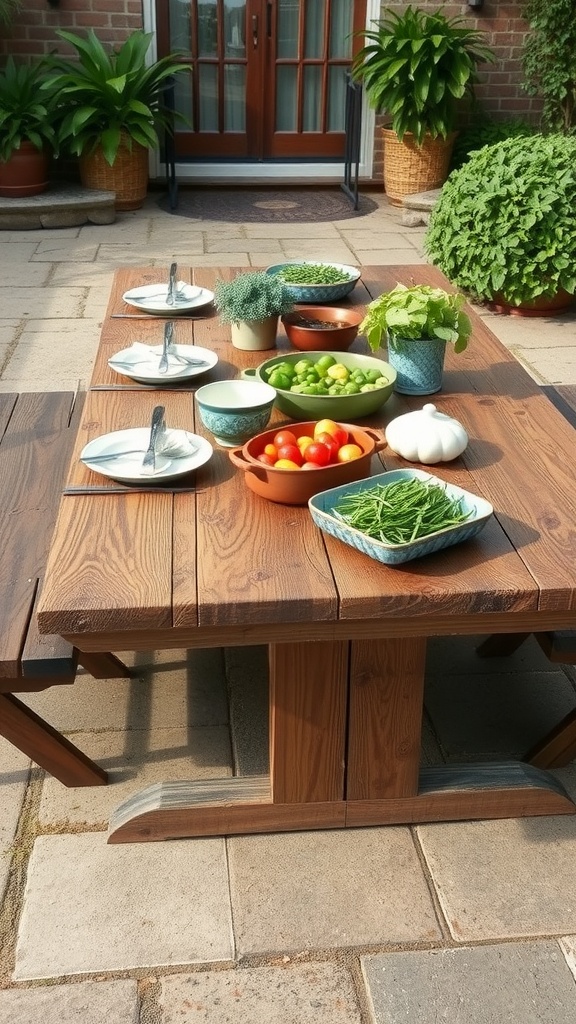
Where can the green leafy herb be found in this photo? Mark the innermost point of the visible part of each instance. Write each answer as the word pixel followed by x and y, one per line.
pixel 402 511
pixel 418 312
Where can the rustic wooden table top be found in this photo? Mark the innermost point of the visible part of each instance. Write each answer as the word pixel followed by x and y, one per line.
pixel 224 565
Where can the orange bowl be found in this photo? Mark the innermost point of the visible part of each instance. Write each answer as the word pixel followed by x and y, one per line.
pixel 296 486
pixel 304 328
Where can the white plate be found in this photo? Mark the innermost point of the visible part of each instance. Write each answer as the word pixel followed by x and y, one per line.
pixel 151 298
pixel 128 470
pixel 143 365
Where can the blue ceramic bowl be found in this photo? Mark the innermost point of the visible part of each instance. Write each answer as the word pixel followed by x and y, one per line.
pixel 319 292
pixel 235 410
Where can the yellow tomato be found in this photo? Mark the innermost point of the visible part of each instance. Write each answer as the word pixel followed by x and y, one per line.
pixel 348 452
pixel 271 450
pixel 304 441
pixel 285 464
pixel 327 427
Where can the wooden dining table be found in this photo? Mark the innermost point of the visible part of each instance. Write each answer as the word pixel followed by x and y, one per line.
pixel 221 566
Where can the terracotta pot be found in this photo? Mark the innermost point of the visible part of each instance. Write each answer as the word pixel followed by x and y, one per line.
pixel 543 306
pixel 304 328
pixel 25 173
pixel 409 168
pixel 255 335
pixel 127 177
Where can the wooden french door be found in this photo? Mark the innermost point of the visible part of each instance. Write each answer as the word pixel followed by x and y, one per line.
pixel 267 77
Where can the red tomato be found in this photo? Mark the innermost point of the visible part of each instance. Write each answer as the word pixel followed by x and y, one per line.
pixel 284 437
pixel 330 442
pixel 267 460
pixel 310 465
pixel 348 452
pixel 290 452
pixel 341 436
pixel 318 453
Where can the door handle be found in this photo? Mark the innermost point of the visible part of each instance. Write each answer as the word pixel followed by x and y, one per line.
pixel 254 30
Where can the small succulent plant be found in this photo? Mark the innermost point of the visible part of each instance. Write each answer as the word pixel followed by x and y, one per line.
pixel 252 296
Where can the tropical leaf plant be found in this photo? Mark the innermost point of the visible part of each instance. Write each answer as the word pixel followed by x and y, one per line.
pixel 504 223
pixel 417 66
pixel 112 95
pixel 27 113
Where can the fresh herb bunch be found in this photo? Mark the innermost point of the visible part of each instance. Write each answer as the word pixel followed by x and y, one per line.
pixel 504 223
pixel 402 511
pixel 418 312
pixel 27 113
pixel 549 60
pixel 416 66
pixel 252 296
pixel 312 273
pixel 111 94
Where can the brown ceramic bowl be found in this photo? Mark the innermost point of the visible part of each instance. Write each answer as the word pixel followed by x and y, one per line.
pixel 304 328
pixel 296 486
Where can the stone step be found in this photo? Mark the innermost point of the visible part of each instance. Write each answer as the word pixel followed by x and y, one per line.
pixel 62 205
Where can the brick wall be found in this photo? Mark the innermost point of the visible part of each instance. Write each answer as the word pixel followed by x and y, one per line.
pixel 33 31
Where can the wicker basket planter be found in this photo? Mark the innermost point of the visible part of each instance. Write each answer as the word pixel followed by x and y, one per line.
pixel 409 168
pixel 127 177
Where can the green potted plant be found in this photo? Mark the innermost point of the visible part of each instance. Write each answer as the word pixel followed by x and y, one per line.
pixel 503 228
pixel 416 67
pixel 417 323
pixel 28 129
pixel 115 109
pixel 251 303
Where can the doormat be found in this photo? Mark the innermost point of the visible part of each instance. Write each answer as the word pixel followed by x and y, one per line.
pixel 274 207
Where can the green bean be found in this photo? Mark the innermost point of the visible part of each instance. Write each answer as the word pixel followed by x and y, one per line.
pixel 312 273
pixel 401 511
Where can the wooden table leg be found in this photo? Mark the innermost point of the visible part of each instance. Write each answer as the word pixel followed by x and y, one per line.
pixel 47 747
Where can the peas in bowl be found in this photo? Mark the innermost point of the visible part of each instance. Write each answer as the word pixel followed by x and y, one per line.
pixel 316 281
pixel 330 384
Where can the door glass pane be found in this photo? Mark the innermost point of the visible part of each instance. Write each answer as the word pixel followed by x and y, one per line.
pixel 208 28
pixel 180 33
pixel 208 97
pixel 314 29
pixel 235 28
pixel 183 94
pixel 341 25
pixel 312 107
pixel 287 28
pixel 336 99
pixel 286 92
pixel 234 98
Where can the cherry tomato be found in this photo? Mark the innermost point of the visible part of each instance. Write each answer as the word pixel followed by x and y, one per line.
pixel 285 464
pixel 328 440
pixel 284 437
pixel 326 427
pixel 348 452
pixel 318 453
pixel 310 465
pixel 267 460
pixel 341 437
pixel 303 441
pixel 290 452
pixel 270 449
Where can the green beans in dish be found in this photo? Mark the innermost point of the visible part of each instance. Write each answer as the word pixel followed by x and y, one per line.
pixel 402 511
pixel 312 273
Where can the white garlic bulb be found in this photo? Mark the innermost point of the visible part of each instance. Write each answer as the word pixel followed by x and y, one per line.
pixel 426 436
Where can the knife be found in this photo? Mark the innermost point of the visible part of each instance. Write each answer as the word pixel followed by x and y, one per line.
pixel 171 294
pixel 156 428
pixel 168 335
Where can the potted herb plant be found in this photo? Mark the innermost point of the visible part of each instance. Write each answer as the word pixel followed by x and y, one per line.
pixel 416 323
pixel 416 67
pixel 28 129
pixel 115 110
pixel 503 228
pixel 251 303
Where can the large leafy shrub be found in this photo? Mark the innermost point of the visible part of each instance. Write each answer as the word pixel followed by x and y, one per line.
pixel 504 223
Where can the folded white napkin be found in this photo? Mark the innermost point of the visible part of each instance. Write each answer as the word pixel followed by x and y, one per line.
pixel 175 444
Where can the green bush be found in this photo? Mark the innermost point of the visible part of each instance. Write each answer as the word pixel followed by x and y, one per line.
pixel 504 223
pixel 484 131
pixel 549 60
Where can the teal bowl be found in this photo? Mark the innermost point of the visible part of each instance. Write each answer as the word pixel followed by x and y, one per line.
pixel 337 407
pixel 235 410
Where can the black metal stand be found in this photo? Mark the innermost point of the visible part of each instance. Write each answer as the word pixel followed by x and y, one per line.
pixel 352 129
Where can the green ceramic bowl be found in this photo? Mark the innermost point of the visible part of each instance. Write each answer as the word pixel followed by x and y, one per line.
pixel 339 407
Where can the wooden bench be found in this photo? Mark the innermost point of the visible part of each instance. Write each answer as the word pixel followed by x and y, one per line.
pixel 558 747
pixel 37 432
